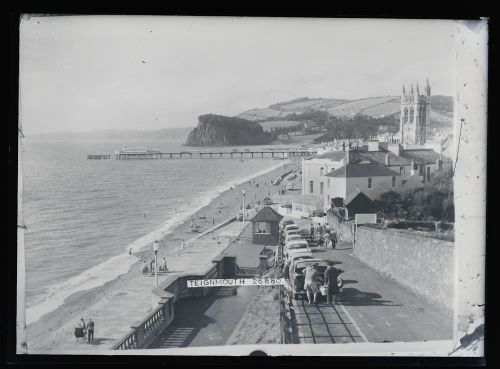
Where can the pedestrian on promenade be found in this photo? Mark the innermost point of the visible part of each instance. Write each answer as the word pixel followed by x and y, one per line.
pixel 328 241
pixel 311 231
pixel 90 330
pixel 332 275
pixel 333 236
pixel 151 264
pixel 144 267
pixel 165 264
pixel 181 248
pixel 311 283
pixel 83 327
pixel 320 229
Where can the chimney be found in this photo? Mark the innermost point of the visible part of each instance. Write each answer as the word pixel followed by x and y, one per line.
pixel 387 159
pixel 395 148
pixel 352 156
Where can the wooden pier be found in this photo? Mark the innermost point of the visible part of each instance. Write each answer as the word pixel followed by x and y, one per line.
pixel 207 155
pixel 98 157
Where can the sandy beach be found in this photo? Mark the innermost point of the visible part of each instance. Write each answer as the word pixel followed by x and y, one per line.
pixel 117 305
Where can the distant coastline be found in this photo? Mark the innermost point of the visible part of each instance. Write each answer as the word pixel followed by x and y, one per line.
pixel 177 134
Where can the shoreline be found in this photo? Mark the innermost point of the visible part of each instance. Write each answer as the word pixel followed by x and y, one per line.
pixel 57 293
pixel 77 304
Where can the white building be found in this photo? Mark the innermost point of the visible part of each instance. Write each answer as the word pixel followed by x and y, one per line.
pixel 315 168
pixel 380 168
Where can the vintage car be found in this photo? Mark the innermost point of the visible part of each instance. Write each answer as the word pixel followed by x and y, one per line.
pixel 291 227
pixel 295 237
pixel 295 255
pixel 297 276
pixel 285 223
pixel 295 245
pixel 290 233
pixel 299 255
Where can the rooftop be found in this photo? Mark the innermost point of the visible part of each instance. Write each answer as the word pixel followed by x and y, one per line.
pixel 354 194
pixel 332 155
pixel 362 170
pixel 267 214
pixel 422 156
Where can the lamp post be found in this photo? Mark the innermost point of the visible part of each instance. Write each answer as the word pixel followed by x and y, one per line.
pixel 155 249
pixel 243 191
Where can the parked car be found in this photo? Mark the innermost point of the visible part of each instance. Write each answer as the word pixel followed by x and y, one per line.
pixel 299 255
pixel 294 237
pixel 290 227
pixel 290 234
pixel 297 276
pixel 293 256
pixel 285 223
pixel 295 245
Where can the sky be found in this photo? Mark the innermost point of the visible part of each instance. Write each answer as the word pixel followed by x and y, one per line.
pixel 81 73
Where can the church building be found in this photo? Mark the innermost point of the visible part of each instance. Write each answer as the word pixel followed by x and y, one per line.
pixel 415 115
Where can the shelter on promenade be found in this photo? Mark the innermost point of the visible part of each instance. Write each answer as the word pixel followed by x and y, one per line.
pixel 265 227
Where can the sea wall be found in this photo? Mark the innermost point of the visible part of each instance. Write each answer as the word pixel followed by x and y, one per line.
pixel 422 264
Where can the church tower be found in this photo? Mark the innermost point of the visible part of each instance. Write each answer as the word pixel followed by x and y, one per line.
pixel 415 115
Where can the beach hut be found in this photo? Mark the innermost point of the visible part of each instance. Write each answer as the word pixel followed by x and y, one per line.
pixel 265 227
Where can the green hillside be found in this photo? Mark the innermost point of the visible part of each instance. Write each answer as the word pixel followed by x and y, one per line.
pixel 375 107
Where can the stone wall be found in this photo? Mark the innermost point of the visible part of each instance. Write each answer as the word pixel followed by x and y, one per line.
pixel 422 264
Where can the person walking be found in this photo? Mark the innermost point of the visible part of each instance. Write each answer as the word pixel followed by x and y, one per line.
pixel 165 269
pixel 311 231
pixel 144 267
pixel 333 237
pixel 327 228
pixel 181 248
pixel 328 241
pixel 331 283
pixel 311 283
pixel 319 229
pixel 83 327
pixel 90 330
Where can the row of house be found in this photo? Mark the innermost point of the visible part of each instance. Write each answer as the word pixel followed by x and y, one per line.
pixel 366 172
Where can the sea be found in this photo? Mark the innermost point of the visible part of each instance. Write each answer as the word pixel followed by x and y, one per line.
pixel 82 216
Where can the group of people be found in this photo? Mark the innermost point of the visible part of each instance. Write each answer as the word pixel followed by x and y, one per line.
pixel 162 266
pixel 85 330
pixel 324 235
pixel 331 281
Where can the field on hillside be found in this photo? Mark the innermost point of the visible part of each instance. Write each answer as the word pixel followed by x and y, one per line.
pixel 278 124
pixel 313 104
pixel 376 107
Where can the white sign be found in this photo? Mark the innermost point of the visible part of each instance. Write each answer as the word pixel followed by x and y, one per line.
pixel 257 281
pixel 365 218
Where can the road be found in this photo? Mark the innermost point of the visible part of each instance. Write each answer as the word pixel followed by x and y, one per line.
pixel 206 321
pixel 372 308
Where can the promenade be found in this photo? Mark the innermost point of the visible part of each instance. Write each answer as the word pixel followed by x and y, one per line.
pixel 132 290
